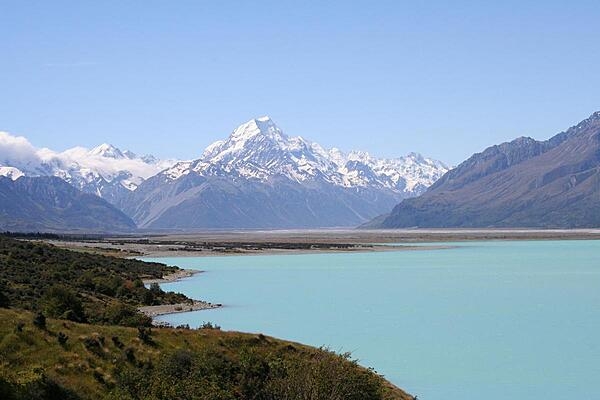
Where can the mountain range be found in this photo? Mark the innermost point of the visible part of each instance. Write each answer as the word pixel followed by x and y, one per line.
pixel 42 204
pixel 261 178
pixel 523 183
pixel 104 170
pixel 256 178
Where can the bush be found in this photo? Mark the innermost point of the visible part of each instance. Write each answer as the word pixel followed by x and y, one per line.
pixel 4 300
pixel 62 338
pixel 61 302
pixel 130 354
pixel 326 376
pixel 41 387
pixel 39 320
pixel 178 364
pixel 85 282
pixel 209 325
pixel 122 314
pixel 144 334
pixel 19 327
pixel 94 344
pixel 117 342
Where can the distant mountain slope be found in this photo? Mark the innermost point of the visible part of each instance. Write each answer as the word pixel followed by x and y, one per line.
pixel 261 178
pixel 51 204
pixel 105 170
pixel 524 183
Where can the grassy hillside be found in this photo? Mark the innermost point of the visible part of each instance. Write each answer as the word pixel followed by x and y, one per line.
pixel 113 362
pixel 79 286
pixel 59 339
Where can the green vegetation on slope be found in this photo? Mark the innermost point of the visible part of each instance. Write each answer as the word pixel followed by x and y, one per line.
pixel 79 286
pixel 46 352
pixel 68 360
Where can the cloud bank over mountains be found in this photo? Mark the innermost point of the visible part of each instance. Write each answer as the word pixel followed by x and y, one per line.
pixel 106 161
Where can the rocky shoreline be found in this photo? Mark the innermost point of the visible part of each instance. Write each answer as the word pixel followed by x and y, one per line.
pixel 165 309
pixel 176 276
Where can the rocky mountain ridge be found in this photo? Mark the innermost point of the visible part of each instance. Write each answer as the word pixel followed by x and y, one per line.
pixel 524 183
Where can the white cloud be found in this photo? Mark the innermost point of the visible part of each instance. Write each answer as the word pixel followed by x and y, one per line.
pixel 18 152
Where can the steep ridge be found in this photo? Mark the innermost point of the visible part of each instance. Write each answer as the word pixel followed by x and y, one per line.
pixel 51 204
pixel 524 183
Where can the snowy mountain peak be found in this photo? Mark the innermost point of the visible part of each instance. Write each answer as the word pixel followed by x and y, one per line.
pixel 104 170
pixel 131 155
pixel 11 172
pixel 259 150
pixel 107 150
pixel 257 126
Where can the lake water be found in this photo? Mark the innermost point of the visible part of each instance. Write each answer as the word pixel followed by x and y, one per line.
pixel 485 320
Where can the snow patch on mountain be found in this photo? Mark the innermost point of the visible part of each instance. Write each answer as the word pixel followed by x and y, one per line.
pixel 11 172
pixel 259 150
pixel 90 170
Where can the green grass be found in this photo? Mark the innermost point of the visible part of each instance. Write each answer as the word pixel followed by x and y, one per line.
pixel 174 364
pixel 79 351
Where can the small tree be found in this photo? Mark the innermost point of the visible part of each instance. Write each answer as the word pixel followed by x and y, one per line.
pixel 155 288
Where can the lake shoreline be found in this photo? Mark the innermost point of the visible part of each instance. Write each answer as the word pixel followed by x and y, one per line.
pixel 167 309
pixel 282 242
pixel 387 308
pixel 174 277
pixel 283 252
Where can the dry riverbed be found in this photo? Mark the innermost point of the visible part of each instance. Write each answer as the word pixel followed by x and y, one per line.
pixel 212 243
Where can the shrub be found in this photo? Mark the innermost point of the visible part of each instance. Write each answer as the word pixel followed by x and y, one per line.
pixel 155 288
pixel 62 338
pixel 19 327
pixel 39 320
pixel 93 344
pixel 178 364
pixel 144 334
pixel 61 302
pixel 122 314
pixel 325 376
pixel 117 342
pixel 4 300
pixel 28 269
pixel 209 325
pixel 98 376
pixel 148 298
pixel 130 354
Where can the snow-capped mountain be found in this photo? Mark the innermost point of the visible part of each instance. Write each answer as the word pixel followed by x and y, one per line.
pixel 259 150
pixel 259 177
pixel 104 170
pixel 256 178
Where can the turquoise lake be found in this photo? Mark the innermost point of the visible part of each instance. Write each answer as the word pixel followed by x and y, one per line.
pixel 482 320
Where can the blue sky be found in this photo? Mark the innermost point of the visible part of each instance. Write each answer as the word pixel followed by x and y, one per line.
pixel 169 77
